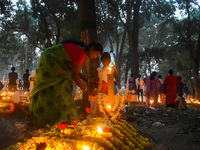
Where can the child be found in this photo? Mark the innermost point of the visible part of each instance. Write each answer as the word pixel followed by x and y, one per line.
pixel 103 71
pixel 20 84
pixel 180 101
pixel 102 75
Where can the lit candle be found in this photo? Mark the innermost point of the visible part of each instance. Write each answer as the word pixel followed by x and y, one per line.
pixel 85 148
pixel 110 83
pixel 99 130
pixel 109 109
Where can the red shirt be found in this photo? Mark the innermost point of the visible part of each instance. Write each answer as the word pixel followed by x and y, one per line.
pixel 75 53
pixel 171 82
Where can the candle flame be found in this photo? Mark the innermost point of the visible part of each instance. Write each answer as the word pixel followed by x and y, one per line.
pixel 99 130
pixel 110 69
pixel 85 148
pixel 109 106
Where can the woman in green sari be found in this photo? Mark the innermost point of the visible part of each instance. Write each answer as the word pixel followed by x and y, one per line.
pixel 51 99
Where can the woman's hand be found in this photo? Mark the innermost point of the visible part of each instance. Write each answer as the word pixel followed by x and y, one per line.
pixel 92 92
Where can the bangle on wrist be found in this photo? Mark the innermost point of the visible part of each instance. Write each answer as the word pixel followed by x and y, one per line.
pixel 85 89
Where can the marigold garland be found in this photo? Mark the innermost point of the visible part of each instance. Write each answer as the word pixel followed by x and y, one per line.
pixel 115 135
pixel 116 110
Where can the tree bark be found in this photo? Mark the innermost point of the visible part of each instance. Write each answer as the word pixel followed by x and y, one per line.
pixel 135 64
pixel 193 56
pixel 88 34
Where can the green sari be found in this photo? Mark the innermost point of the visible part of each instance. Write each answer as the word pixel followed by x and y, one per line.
pixel 51 98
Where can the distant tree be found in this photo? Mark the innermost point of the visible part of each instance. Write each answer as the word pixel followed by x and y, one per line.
pixel 5 7
pixel 112 33
pixel 56 19
pixel 189 36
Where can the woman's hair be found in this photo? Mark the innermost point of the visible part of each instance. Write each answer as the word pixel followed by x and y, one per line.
pixel 171 71
pixel 132 75
pixel 13 68
pixel 153 75
pixel 180 93
pixel 160 76
pixel 105 55
pixel 97 46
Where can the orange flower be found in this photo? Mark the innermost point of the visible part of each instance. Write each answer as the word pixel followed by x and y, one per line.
pixel 106 130
pixel 62 125
pixel 88 110
pixel 74 123
pixel 121 111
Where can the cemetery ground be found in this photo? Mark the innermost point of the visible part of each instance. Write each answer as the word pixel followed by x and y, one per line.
pixel 166 129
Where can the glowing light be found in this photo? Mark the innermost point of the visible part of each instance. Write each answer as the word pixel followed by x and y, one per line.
pixel 99 130
pixel 109 107
pixel 85 148
pixel 110 69
pixel 151 101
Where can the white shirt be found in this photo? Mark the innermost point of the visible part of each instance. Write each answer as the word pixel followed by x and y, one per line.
pixel 141 83
pixel 102 74
pixel 31 79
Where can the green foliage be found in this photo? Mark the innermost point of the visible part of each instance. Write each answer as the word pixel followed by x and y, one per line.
pixel 8 46
pixel 5 7
pixel 162 37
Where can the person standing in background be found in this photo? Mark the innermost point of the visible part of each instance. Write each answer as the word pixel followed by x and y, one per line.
pixel 20 84
pixel 13 76
pixel 26 81
pixel 26 84
pixel 131 87
pixel 132 84
pixel 139 84
pixel 31 80
pixel 162 96
pixel 171 81
pixel 152 89
pixel 4 81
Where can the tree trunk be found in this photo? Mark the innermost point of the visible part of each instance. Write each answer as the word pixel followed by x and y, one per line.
pixel 195 63
pixel 118 61
pixel 88 34
pixel 194 56
pixel 135 64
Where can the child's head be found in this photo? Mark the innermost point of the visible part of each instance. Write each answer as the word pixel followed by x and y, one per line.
pixel 179 93
pixel 105 59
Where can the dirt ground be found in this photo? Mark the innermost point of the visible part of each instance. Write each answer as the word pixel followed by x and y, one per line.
pixel 166 129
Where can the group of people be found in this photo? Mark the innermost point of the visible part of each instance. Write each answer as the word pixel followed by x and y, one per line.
pixel 13 84
pixel 173 95
pixel 59 66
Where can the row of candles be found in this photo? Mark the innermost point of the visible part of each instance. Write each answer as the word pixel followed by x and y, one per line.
pixel 187 100
pixel 6 97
